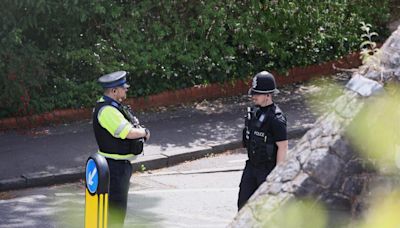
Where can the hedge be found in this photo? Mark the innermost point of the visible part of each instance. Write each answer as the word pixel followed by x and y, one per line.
pixel 52 52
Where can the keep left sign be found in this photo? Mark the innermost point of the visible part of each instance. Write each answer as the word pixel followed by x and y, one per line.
pixel 92 176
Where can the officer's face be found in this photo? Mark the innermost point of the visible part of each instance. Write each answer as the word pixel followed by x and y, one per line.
pixel 120 93
pixel 261 99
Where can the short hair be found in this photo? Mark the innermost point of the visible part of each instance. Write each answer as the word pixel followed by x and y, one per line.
pixel 108 90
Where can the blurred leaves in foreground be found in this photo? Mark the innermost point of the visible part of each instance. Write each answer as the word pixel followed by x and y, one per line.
pixel 322 92
pixel 376 130
pixel 383 213
pixel 304 213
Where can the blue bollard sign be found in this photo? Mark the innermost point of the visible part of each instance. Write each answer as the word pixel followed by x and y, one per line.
pixel 97 179
pixel 92 176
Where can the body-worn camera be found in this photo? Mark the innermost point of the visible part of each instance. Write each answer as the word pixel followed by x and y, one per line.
pixel 136 145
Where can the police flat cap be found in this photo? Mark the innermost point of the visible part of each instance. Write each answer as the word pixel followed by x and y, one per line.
pixel 115 79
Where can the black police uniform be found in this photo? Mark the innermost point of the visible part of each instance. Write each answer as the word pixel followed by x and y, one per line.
pixel 264 127
pixel 261 148
pixel 116 151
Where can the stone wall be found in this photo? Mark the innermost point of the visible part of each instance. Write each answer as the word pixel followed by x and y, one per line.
pixel 323 165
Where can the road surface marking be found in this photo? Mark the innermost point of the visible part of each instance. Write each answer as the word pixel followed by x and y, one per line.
pixel 187 190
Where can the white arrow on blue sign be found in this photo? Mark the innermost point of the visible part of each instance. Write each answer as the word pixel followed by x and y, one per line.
pixel 92 176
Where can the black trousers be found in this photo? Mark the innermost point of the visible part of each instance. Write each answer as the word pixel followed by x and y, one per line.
pixel 120 174
pixel 252 178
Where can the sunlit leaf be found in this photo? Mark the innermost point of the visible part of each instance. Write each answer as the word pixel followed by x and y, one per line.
pixel 304 213
pixel 375 131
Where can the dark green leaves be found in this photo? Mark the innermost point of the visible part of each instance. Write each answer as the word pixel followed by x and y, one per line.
pixel 165 45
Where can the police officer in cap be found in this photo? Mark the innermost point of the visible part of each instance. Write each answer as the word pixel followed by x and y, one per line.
pixel 119 137
pixel 264 136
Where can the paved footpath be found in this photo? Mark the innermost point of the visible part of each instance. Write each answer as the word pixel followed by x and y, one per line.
pixel 57 154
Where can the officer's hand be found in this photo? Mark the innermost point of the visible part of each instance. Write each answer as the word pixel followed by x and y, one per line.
pixel 147 137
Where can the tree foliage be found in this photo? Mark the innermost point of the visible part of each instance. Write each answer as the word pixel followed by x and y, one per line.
pixel 52 52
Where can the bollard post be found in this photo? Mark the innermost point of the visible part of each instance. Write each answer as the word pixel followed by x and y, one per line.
pixel 97 179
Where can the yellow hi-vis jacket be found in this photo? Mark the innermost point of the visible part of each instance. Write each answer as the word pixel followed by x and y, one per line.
pixel 111 128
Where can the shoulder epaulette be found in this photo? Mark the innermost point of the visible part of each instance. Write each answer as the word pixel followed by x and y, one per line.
pixel 278 111
pixel 279 114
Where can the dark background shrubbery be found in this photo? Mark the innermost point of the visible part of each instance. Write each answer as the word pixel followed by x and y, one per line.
pixel 52 52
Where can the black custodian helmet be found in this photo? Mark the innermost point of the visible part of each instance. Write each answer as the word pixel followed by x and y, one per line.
pixel 263 83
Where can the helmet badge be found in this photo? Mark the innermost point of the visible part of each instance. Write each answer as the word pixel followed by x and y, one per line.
pixel 254 82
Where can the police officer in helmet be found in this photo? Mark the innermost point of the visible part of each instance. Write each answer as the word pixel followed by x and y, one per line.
pixel 120 137
pixel 264 136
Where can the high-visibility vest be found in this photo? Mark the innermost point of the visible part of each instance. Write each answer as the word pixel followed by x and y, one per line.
pixel 111 128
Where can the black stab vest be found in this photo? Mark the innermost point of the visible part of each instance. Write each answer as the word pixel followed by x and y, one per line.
pixel 261 146
pixel 108 143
